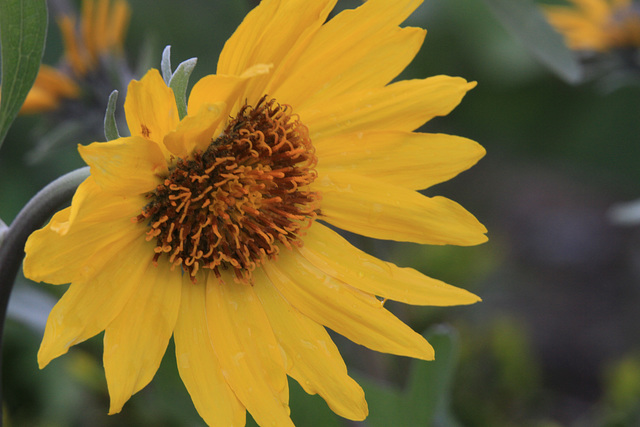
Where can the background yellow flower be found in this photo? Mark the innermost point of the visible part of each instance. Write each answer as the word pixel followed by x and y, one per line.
pixel 90 44
pixel 597 25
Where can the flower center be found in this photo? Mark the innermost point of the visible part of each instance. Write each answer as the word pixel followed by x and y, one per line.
pixel 233 205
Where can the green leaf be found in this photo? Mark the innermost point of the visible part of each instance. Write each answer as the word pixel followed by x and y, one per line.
pixel 179 82
pixel 385 403
pixel 308 410
pixel 23 29
pixel 426 398
pixel 165 65
pixel 429 389
pixel 524 20
pixel 110 125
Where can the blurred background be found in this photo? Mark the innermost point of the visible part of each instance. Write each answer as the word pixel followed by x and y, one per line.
pixel 555 341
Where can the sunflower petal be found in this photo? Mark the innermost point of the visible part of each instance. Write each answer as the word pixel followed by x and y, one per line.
pixel 80 239
pixel 150 108
pixel 89 306
pixel 314 359
pixel 349 312
pixel 198 365
pixel 59 259
pixel 349 66
pixel 376 209
pixel 266 34
pixel 195 132
pixel 350 48
pixel 136 340
pixel 38 264
pixel 125 166
pixel 247 350
pixel 92 205
pixel 403 106
pixel 223 90
pixel 411 160
pixel 332 254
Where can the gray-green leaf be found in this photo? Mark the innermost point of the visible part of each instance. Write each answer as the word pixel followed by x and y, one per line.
pixel 165 65
pixel 179 82
pixel 110 124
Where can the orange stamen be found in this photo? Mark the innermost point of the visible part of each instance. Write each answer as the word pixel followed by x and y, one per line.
pixel 231 206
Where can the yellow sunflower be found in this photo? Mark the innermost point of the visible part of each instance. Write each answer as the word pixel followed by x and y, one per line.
pixel 99 34
pixel 597 25
pixel 210 228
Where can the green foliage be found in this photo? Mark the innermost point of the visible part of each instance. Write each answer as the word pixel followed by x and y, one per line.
pixel 621 403
pixel 425 400
pixel 499 382
pixel 23 29
pixel 518 372
pixel 307 410
pixel 165 65
pixel 526 22
pixel 110 125
pixel 623 383
pixel 178 80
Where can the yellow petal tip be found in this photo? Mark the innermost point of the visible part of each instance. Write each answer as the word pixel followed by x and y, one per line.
pixel 114 410
pixel 43 359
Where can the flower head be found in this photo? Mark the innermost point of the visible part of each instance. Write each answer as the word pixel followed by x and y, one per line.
pixel 597 25
pixel 98 35
pixel 208 227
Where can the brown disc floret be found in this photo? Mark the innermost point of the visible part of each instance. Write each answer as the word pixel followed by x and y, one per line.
pixel 235 204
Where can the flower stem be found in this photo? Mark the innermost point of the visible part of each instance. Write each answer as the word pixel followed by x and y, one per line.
pixel 46 202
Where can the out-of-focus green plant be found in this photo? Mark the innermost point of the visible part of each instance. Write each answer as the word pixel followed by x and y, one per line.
pixel 621 402
pixel 518 374
pixel 425 400
pixel 525 21
pixel 500 380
